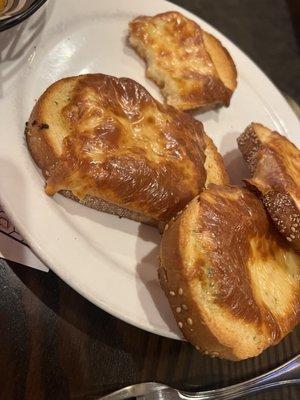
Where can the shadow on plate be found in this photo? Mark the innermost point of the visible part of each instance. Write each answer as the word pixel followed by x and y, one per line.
pixel 206 115
pixel 108 220
pixel 147 272
pixel 234 162
pixel 146 267
pixel 18 44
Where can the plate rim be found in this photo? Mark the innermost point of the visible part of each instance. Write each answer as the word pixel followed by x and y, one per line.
pixel 47 258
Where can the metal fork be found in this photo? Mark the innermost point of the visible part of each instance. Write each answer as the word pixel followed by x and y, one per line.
pixel 286 374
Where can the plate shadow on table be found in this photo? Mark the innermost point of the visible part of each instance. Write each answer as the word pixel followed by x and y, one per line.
pixel 294 10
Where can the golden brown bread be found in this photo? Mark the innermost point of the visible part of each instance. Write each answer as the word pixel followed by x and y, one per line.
pixel 274 163
pixel 231 279
pixel 107 143
pixel 2 5
pixel 191 66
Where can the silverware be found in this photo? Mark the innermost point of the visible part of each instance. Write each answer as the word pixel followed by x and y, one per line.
pixel 286 374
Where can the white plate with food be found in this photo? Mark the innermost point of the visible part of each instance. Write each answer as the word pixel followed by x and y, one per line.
pixel 110 261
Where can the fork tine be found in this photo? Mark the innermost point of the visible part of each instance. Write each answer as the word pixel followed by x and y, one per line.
pixel 165 393
pixel 137 390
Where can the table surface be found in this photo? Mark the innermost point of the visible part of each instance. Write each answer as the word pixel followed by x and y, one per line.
pixel 56 345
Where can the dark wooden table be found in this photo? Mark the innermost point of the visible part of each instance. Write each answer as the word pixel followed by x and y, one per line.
pixel 54 344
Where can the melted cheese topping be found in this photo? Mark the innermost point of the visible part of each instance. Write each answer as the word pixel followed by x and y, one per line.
pixel 126 148
pixel 178 61
pixel 236 258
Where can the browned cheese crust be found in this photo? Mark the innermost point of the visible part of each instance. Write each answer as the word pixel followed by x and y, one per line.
pixel 274 163
pixel 231 279
pixel 107 143
pixel 191 66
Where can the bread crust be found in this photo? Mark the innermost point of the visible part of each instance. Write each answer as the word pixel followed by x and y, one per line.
pixel 46 149
pixel 175 284
pixel 274 163
pixel 214 164
pixel 231 280
pixel 191 66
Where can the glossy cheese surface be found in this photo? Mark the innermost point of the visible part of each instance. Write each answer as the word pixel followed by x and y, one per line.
pixel 123 146
pixel 180 59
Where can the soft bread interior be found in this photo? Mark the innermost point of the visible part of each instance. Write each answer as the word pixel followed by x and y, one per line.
pixel 50 110
pixel 274 163
pixel 286 151
pixel 169 87
pixel 221 60
pixel 214 164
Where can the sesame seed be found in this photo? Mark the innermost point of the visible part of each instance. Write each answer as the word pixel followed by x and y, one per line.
pixel 180 291
pixel 206 352
pixel 166 227
pixel 293 229
pixel 189 321
pixel 292 236
pixel 178 309
pixel 288 239
pixel 197 348
pixel 180 324
pixel 172 293
pixel 184 307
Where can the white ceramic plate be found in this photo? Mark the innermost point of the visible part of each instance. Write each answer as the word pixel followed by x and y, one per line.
pixel 110 261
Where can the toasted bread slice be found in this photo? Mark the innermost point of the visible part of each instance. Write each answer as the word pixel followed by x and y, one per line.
pixel 108 144
pixel 274 163
pixel 232 281
pixel 191 66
